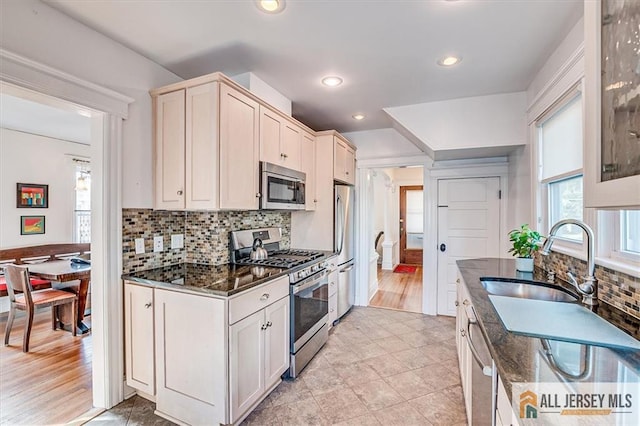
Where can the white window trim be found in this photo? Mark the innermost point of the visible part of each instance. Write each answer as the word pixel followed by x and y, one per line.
pixel 562 245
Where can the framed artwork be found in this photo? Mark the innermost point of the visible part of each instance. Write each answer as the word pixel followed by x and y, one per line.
pixel 31 225
pixel 31 195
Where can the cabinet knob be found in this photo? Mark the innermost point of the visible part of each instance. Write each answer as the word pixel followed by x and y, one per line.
pixel 315 201
pixel 457 303
pixel 264 296
pixel 269 323
pixel 462 332
pixel 347 173
pixel 179 192
pixel 458 280
pixel 331 309
pixel 263 327
pixel 147 305
pixel 258 195
pixel 465 302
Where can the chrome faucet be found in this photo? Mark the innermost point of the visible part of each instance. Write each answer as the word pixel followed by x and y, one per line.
pixel 589 288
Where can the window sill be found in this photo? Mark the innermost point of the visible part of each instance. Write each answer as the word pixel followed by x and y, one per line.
pixel 617 265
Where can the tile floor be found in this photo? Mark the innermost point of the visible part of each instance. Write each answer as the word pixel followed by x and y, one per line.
pixel 380 367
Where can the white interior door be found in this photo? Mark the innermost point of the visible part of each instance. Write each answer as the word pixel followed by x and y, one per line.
pixel 468 227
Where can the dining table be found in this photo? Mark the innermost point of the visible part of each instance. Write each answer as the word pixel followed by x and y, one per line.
pixel 63 274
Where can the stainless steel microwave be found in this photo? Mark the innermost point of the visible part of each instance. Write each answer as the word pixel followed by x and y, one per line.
pixel 281 188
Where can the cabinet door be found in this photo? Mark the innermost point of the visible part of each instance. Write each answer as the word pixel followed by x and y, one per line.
pixel 276 349
pixel 138 320
pixel 246 363
pixel 169 150
pixel 202 147
pixel 191 357
pixel 270 136
pixel 290 145
pixel 308 166
pixel 239 150
pixel 333 309
pixel 340 160
pixel 350 166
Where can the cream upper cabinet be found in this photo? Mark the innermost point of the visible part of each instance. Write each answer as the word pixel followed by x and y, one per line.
pixel 170 150
pixel 239 150
pixel 308 166
pixel 201 172
pixel 611 168
pixel 280 139
pixel 344 162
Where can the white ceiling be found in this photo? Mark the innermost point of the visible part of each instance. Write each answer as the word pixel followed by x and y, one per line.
pixel 34 117
pixel 386 51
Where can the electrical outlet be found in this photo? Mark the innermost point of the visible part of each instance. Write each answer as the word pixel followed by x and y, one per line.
pixel 177 241
pixel 139 245
pixel 158 243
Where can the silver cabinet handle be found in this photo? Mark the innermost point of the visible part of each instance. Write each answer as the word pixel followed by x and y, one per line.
pixel 264 296
pixel 147 305
pixel 180 192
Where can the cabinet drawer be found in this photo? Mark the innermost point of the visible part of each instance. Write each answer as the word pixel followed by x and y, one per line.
pixel 253 300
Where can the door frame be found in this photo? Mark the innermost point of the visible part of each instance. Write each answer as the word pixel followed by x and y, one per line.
pixel 403 201
pixel 108 109
pixel 433 171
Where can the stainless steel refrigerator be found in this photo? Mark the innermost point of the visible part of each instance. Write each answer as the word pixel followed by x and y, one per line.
pixel 344 246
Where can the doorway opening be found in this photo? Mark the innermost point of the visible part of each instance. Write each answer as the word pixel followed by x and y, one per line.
pixel 47 141
pixel 396 226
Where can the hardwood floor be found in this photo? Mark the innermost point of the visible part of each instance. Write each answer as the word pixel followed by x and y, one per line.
pixel 51 384
pixel 399 291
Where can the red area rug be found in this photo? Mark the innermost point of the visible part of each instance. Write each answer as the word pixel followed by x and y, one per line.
pixel 405 269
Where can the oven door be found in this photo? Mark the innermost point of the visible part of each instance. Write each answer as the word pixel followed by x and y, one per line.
pixel 309 308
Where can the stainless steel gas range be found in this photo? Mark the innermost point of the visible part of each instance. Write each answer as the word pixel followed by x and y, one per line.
pixel 309 290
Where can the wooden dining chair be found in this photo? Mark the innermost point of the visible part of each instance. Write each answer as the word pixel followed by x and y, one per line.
pixel 17 278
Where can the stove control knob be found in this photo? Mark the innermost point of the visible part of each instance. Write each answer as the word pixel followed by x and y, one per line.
pixel 301 274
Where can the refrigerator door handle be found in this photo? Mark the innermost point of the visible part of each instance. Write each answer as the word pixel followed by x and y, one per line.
pixel 347 269
pixel 340 224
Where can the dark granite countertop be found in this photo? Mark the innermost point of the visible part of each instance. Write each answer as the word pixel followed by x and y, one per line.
pixel 212 280
pixel 522 359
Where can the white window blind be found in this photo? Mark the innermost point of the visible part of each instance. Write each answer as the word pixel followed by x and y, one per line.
pixel 561 141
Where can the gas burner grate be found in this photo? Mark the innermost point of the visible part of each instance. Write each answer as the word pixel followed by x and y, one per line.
pixel 275 262
pixel 310 255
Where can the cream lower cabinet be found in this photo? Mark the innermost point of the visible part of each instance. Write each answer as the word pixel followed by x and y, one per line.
pixel 206 360
pixel 258 355
pixel 139 332
pixel 190 358
pixel 464 352
pixel 333 297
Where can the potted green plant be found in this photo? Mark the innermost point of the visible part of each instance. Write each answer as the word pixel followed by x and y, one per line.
pixel 525 243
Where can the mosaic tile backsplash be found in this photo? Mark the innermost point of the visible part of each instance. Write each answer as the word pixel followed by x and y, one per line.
pixel 615 288
pixel 206 235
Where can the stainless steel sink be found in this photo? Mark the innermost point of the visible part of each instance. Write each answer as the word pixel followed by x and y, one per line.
pixel 527 291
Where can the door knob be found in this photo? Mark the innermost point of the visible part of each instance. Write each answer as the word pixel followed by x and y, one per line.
pixel 443 247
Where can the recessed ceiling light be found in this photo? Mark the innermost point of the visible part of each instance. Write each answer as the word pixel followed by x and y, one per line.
pixel 449 61
pixel 271 6
pixel 332 81
pixel 358 117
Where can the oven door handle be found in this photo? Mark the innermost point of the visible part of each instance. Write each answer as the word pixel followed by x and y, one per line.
pixel 314 280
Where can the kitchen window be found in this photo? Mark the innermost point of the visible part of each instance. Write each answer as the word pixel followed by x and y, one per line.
pixel 627 232
pixel 560 166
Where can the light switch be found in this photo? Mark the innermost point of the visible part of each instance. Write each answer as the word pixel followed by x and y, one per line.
pixel 177 241
pixel 139 245
pixel 158 243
